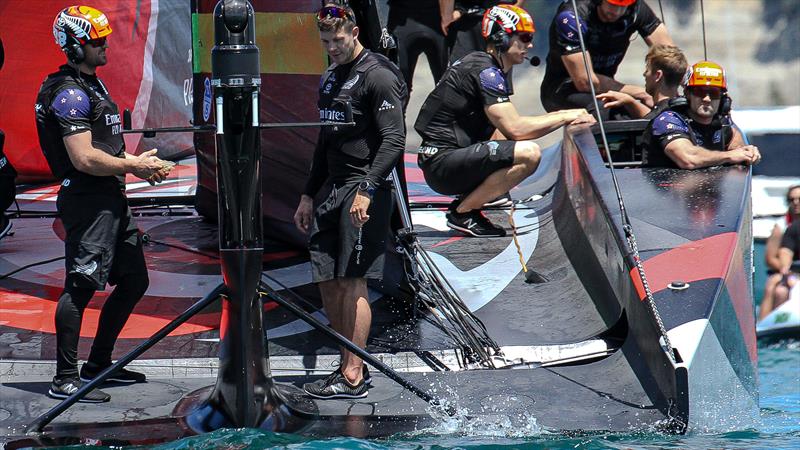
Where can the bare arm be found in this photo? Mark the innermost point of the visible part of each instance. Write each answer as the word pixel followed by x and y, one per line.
pixel 689 156
pixel 506 119
pixel 659 36
pixel 448 14
pixel 772 249
pixel 786 256
pixel 88 159
pixel 614 99
pixel 737 140
pixel 602 83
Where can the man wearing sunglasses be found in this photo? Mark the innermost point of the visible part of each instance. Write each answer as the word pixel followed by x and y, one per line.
pixel 350 226
pixel 697 133
pixel 474 142
pixel 79 131
pixel 607 27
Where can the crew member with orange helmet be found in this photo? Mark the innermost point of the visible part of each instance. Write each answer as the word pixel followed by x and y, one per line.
pixel 79 131
pixel 459 118
pixel 607 27
pixel 696 131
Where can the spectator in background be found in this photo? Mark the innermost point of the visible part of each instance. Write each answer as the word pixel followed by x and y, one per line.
pixel 770 301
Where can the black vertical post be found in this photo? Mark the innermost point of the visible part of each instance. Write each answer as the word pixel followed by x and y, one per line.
pixel 244 394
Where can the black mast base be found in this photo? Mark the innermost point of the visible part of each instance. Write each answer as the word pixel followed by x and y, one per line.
pixel 287 410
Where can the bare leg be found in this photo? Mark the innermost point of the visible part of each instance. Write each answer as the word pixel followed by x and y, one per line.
pixel 332 296
pixel 356 321
pixel 526 158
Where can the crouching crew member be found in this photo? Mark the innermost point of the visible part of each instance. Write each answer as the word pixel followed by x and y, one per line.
pixel 79 131
pixel 349 228
pixel 696 131
pixel 458 119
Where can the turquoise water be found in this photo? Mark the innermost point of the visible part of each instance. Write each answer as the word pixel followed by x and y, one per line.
pixel 779 371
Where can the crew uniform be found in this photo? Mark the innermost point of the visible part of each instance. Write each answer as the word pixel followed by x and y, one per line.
pixel 102 240
pixel 673 124
pixel 607 44
pixel 456 155
pixel 417 26
pixel 348 156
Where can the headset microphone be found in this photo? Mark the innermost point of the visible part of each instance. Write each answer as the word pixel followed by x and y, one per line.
pixel 534 60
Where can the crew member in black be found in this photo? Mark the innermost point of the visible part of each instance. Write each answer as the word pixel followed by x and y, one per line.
pixel 461 23
pixel 80 134
pixel 697 132
pixel 607 26
pixel 665 68
pixel 416 26
pixel 469 107
pixel 349 229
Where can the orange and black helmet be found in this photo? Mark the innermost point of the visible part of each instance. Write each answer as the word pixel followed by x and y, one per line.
pixel 77 25
pixel 706 73
pixel 505 20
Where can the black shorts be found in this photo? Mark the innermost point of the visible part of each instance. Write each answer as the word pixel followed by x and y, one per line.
pixel 461 170
pixel 102 241
pixel 341 250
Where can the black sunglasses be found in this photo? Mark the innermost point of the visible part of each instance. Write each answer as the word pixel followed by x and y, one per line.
pixel 525 38
pixel 97 43
pixel 334 12
pixel 712 92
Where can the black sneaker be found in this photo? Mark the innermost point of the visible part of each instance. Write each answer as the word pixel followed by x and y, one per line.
pixel 364 374
pixel 89 371
pixel 5 225
pixel 473 223
pixel 501 201
pixel 64 388
pixel 336 386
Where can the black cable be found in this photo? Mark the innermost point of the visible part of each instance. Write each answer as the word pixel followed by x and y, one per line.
pixel 703 19
pixel 4 276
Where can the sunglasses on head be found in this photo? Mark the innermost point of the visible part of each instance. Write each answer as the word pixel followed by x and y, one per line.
pixel 334 12
pixel 525 38
pixel 97 43
pixel 701 92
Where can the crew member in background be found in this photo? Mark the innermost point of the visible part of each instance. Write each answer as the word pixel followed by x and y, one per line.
pixel 607 27
pixel 772 251
pixel 8 189
pixel 417 27
pixel 79 131
pixel 665 68
pixel 349 229
pixel 461 23
pixel 698 132
pixel 460 153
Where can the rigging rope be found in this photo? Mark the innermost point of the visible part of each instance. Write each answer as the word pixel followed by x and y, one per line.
pixel 703 19
pixel 627 227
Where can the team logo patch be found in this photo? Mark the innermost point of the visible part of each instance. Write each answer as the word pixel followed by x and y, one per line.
pixel 385 106
pixel 669 122
pixel 493 80
pixel 350 83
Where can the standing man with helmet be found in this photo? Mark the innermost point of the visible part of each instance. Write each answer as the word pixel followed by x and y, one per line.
pixel 607 27
pixel 459 119
pixel 697 132
pixel 349 229
pixel 79 131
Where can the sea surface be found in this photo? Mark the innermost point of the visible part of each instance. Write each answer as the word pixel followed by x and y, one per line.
pixel 779 428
